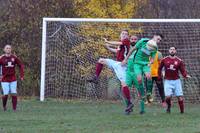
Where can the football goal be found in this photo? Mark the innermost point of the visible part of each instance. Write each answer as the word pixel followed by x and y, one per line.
pixel 71 47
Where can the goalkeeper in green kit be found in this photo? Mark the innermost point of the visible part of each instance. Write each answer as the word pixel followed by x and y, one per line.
pixel 144 49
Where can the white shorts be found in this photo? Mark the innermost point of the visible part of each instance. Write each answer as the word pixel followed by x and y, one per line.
pixel 119 70
pixel 173 87
pixel 9 87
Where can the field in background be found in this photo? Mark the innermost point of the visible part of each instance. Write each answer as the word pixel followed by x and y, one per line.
pixel 95 117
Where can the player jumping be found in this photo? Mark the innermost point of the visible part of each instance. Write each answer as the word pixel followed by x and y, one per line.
pixel 145 48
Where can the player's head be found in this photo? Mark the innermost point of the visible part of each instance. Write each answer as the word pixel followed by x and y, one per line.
pixel 152 45
pixel 8 49
pixel 133 40
pixel 172 51
pixel 124 34
pixel 158 37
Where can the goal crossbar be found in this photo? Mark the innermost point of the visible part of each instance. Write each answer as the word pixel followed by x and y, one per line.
pixel 120 20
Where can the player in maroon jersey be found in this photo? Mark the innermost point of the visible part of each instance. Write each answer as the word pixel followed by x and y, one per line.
pixel 8 61
pixel 122 49
pixel 120 71
pixel 172 83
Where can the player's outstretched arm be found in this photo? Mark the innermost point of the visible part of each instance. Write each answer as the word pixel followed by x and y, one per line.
pixel 114 50
pixel 112 42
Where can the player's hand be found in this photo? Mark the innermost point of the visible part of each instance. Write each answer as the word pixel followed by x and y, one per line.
pixel 151 61
pixel 188 76
pixel 105 40
pixel 159 79
pixel 163 73
pixel 22 78
pixel 123 63
pixel 107 46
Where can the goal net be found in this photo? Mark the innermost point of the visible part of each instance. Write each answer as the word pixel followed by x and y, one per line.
pixel 71 47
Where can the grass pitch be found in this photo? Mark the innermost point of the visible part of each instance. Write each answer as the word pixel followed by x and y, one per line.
pixel 53 116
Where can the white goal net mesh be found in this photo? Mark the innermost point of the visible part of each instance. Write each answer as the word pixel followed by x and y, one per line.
pixel 72 49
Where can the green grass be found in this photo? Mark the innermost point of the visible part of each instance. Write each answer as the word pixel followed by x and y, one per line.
pixel 54 116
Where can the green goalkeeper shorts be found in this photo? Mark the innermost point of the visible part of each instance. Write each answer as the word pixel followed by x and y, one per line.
pixel 140 69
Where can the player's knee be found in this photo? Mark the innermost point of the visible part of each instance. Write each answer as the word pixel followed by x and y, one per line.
pixel 167 97
pixel 123 84
pixel 101 61
pixel 180 98
pixel 139 79
pixel 148 76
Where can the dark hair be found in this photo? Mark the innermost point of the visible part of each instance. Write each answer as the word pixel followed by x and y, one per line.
pixel 173 47
pixel 159 34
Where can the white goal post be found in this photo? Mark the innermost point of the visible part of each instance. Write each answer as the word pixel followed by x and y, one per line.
pixel 44 35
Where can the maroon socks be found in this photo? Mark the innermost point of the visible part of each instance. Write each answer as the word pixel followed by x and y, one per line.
pixel 14 102
pixel 4 101
pixel 181 106
pixel 126 93
pixel 99 67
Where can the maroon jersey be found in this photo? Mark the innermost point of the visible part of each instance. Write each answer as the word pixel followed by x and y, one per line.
pixel 8 64
pixel 172 67
pixel 123 50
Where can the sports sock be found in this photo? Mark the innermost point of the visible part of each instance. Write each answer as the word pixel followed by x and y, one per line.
pixel 181 106
pixel 126 93
pixel 168 101
pixel 99 67
pixel 141 91
pixel 149 86
pixel 142 104
pixel 14 102
pixel 4 100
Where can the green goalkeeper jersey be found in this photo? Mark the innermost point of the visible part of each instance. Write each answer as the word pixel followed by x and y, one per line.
pixel 142 53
